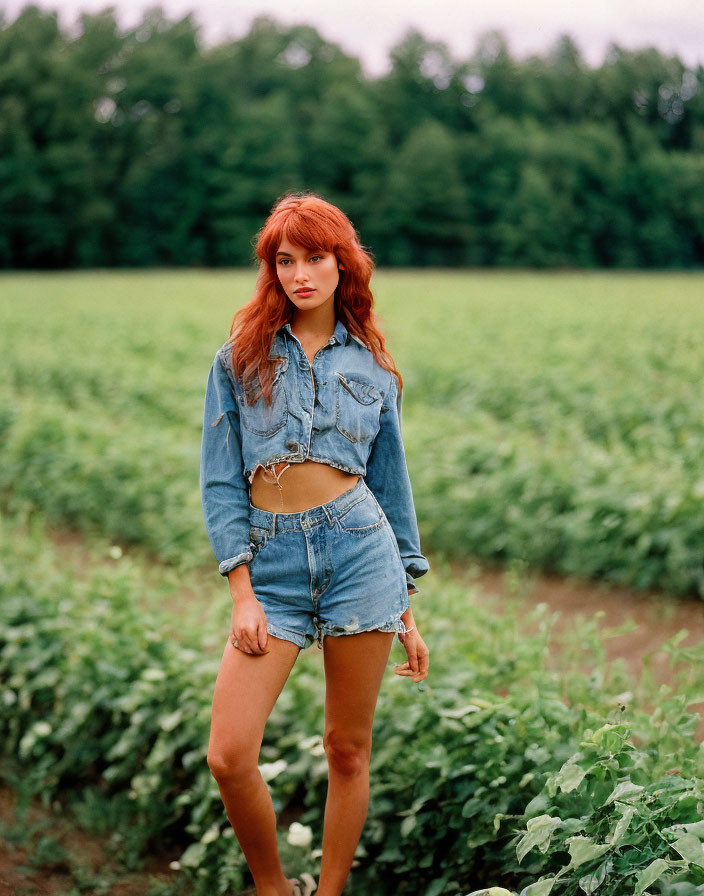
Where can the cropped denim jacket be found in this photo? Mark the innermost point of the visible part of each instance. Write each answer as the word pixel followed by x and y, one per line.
pixel 344 410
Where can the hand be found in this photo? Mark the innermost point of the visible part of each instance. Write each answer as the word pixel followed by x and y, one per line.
pixel 417 665
pixel 248 627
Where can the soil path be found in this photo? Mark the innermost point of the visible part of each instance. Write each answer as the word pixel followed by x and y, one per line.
pixel 655 617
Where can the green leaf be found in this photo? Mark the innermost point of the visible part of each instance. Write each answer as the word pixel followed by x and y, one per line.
pixel 649 874
pixel 170 721
pixel 582 849
pixel 591 882
pixel 437 886
pixel 623 790
pixel 407 825
pixel 539 888
pixel 193 856
pixel 539 831
pixel 690 848
pixel 622 824
pixel 570 776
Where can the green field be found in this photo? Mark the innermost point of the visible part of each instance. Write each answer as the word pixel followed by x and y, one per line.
pixel 552 421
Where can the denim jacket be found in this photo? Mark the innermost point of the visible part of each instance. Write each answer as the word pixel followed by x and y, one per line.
pixel 344 411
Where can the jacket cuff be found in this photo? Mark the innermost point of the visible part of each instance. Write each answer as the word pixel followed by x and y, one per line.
pixel 411 585
pixel 230 564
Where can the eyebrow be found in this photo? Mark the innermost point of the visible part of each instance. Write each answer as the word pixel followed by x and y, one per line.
pixel 310 252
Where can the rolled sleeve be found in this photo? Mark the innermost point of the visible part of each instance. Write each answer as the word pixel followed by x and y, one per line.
pixel 388 479
pixel 224 489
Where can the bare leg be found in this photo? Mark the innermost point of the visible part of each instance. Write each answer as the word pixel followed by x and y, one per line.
pixel 246 690
pixel 354 668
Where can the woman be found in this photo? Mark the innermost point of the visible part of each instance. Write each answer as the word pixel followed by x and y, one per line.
pixel 309 510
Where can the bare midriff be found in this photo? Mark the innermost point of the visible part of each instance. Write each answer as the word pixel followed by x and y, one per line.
pixel 290 488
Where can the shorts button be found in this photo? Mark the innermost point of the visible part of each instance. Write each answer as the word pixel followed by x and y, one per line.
pixel 291 445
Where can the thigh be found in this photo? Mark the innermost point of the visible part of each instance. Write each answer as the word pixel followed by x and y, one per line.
pixel 354 669
pixel 246 690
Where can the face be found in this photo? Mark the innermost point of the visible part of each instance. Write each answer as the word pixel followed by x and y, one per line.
pixel 299 268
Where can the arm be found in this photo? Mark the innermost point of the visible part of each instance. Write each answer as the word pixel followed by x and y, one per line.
pixel 387 477
pixel 224 490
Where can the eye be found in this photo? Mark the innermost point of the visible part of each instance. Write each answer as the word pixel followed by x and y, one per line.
pixel 313 257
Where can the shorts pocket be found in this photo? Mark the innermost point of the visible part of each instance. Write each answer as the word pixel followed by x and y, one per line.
pixel 357 408
pixel 258 537
pixel 361 518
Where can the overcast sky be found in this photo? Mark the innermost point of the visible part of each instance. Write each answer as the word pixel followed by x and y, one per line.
pixel 368 29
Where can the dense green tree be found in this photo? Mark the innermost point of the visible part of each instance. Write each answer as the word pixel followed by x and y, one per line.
pixel 424 206
pixel 143 147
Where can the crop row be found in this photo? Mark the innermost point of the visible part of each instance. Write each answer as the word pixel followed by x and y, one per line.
pixel 496 771
pixel 553 422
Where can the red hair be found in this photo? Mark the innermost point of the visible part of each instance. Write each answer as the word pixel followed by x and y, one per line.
pixel 306 220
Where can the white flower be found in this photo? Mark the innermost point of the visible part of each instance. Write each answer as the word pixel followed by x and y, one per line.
pixel 115 551
pixel 270 770
pixel 153 675
pixel 42 729
pixel 211 834
pixel 299 834
pixel 175 866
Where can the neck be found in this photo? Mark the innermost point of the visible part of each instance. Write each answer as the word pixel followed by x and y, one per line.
pixel 317 322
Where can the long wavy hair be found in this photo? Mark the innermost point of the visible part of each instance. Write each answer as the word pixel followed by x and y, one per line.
pixel 307 220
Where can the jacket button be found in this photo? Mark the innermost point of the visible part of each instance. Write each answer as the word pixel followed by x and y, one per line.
pixel 292 445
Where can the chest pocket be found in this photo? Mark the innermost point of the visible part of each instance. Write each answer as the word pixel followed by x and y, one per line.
pixel 255 414
pixel 357 408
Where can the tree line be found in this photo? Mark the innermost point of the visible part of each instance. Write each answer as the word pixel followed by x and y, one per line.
pixel 145 147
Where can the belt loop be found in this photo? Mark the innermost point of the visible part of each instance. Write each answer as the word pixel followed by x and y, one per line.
pixel 330 517
pixel 273 523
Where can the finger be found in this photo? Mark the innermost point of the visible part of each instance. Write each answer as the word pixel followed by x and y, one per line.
pixel 254 644
pixel 404 670
pixel 414 676
pixel 263 636
pixel 251 641
pixel 245 641
pixel 413 659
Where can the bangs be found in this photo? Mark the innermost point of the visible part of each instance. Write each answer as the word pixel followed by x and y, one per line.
pixel 308 229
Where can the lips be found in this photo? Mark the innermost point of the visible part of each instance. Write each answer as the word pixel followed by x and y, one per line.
pixel 303 292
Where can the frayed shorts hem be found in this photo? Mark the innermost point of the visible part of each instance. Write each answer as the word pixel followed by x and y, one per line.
pixel 305 639
pixel 296 637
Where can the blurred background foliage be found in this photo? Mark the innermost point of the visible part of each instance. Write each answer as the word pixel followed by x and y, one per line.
pixel 145 147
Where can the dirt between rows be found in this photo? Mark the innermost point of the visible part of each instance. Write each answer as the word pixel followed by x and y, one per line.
pixel 656 618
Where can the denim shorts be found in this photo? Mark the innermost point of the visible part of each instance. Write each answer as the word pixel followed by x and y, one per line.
pixel 333 569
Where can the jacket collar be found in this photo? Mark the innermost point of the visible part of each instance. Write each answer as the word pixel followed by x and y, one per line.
pixel 341 336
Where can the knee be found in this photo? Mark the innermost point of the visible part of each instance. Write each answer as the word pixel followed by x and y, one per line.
pixel 230 763
pixel 347 755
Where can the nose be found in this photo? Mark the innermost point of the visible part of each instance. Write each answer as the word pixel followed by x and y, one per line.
pixel 301 275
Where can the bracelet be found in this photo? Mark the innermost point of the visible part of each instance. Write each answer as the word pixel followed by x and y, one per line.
pixel 408 630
